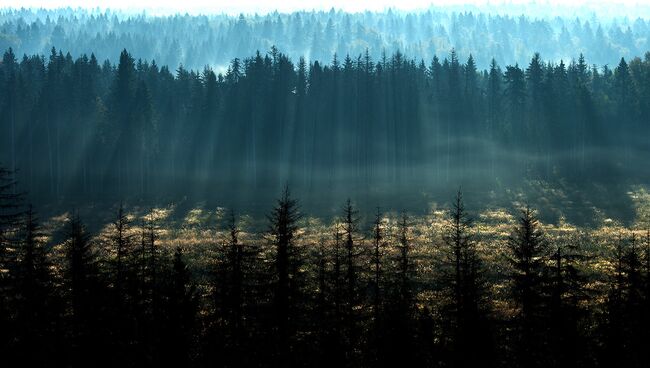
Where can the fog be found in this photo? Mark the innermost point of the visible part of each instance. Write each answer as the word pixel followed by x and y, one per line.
pixel 394 107
pixel 215 39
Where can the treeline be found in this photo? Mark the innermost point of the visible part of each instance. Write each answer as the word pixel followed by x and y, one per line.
pixel 83 129
pixel 194 41
pixel 355 297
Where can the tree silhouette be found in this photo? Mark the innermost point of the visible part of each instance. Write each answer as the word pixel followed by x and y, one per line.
pixel 567 314
pixel 234 293
pixel 399 344
pixel 350 266
pixel 283 227
pixel 528 251
pixel 180 312
pixel 465 286
pixel 38 306
pixel 85 293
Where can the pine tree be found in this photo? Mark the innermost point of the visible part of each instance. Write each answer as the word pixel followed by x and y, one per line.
pixel 568 319
pixel 465 288
pixel 405 267
pixel 121 241
pixel 399 344
pixel 528 251
pixel 494 107
pixel 284 225
pixel 350 266
pixel 633 304
pixel 515 99
pixel 121 104
pixel 10 219
pixel 84 293
pixel 233 290
pixel 38 307
pixel 180 311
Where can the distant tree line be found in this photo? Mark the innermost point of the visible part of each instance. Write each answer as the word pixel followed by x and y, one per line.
pixel 79 128
pixel 198 40
pixel 359 296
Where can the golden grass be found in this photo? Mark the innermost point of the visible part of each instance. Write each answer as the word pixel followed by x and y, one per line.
pixel 201 230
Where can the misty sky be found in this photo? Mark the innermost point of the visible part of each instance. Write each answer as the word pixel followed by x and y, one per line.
pixel 257 6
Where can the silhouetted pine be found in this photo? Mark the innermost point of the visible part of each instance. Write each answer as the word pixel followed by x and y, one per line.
pixel 235 292
pixel 399 329
pixel 622 321
pixel 528 253
pixel 333 331
pixel 377 287
pixel 320 317
pixel 149 310
pixel 351 297
pixel 569 320
pixel 178 330
pixel 125 284
pixel 467 311
pixel 38 307
pixel 121 241
pixel 85 293
pixel 286 275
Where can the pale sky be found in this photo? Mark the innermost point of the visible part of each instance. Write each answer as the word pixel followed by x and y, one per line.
pixel 264 6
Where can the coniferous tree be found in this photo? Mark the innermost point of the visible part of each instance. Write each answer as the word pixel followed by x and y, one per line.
pixel 284 218
pixel 494 107
pixel 350 283
pixel 621 327
pixel 84 294
pixel 124 282
pixel 568 319
pixel 528 251
pixel 515 98
pixel 121 240
pixel 135 134
pixel 180 311
pixel 467 312
pixel 38 306
pixel 234 289
pixel 399 327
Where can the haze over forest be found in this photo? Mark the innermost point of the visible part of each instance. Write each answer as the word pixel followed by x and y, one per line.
pixel 395 106
pixel 510 34
pixel 451 186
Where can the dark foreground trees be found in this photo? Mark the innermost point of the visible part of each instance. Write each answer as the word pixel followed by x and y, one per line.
pixel 288 299
pixel 467 312
pixel 529 250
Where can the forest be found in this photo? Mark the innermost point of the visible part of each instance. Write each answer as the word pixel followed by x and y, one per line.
pixel 508 34
pixel 382 289
pixel 80 130
pixel 438 188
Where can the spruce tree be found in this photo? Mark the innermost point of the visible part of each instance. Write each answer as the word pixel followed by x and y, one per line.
pixel 177 340
pixel 465 288
pixel 528 250
pixel 38 306
pixel 283 227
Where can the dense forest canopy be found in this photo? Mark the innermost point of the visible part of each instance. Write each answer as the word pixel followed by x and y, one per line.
pixel 78 128
pixel 198 40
